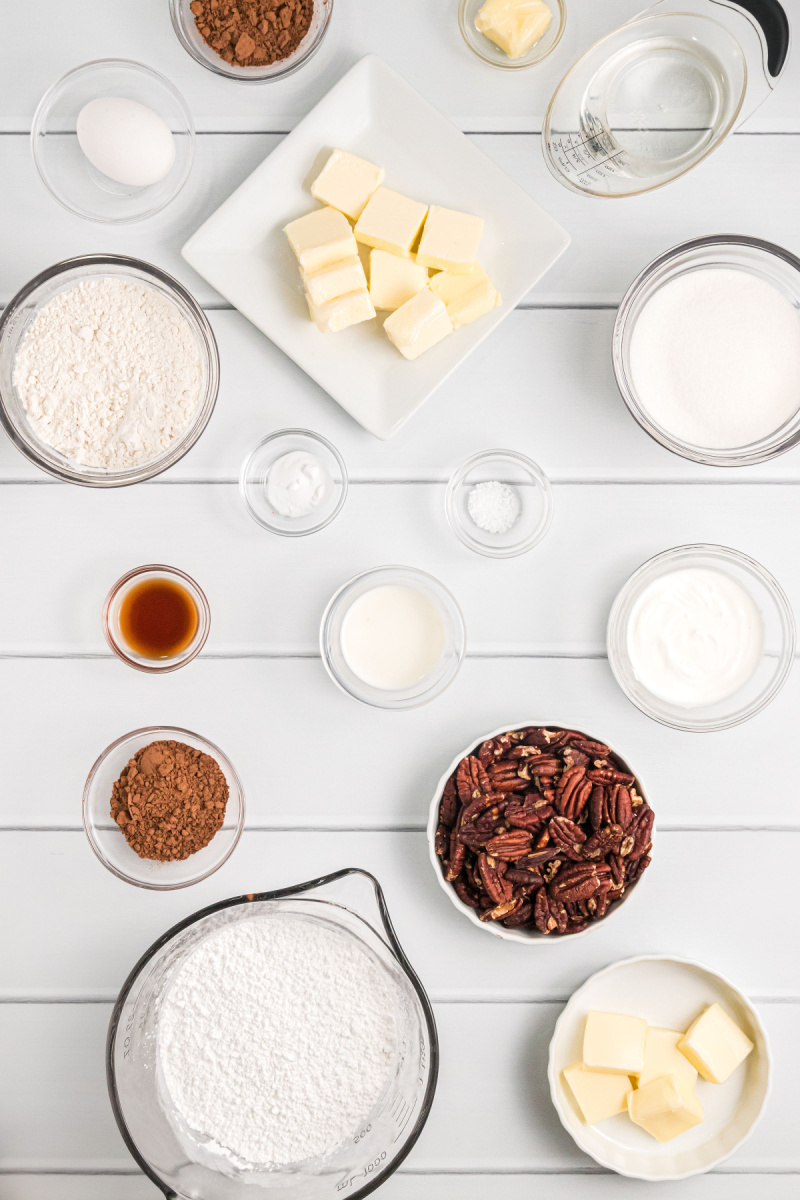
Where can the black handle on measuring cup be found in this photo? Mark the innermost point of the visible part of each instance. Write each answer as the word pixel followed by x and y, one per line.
pixel 772 18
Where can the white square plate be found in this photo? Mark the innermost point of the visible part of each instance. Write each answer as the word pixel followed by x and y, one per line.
pixel 242 251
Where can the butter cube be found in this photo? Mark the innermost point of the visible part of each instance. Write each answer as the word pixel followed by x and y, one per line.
pixel 615 1043
pixel 662 1057
pixel 394 280
pixel 419 324
pixel 390 222
pixel 715 1045
pixel 347 182
pixel 450 241
pixel 599 1096
pixel 665 1108
pixel 467 296
pixel 514 25
pixel 342 312
pixel 339 279
pixel 320 238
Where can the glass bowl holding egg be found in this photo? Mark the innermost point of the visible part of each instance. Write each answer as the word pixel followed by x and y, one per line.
pixel 113 141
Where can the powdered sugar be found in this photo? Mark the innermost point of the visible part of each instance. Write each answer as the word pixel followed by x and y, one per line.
pixel 109 373
pixel 276 1038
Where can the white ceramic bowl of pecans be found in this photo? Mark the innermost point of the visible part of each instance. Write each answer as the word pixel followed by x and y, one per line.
pixel 538 831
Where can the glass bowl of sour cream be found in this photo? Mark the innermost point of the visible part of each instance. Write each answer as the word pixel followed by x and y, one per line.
pixel 701 638
pixel 706 350
pixel 393 637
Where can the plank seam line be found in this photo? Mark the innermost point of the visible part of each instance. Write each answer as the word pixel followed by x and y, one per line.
pixel 419 1173
pixel 110 998
pixel 664 827
pixel 441 481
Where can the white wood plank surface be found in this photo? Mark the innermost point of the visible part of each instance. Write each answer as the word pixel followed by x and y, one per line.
pixel 267 594
pixel 370 769
pixel 686 884
pixel 330 783
pixel 418 38
pixel 543 384
pixel 746 187
pixel 55 1114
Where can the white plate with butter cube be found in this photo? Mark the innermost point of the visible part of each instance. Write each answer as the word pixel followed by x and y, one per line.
pixel 243 252
pixel 669 994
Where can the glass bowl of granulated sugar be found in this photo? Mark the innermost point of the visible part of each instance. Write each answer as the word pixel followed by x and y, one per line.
pixel 706 350
pixel 109 371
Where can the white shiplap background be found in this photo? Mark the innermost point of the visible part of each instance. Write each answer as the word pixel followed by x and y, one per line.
pixel 332 784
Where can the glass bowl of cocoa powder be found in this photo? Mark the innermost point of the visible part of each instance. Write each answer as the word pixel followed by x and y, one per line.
pixel 163 808
pixel 252 41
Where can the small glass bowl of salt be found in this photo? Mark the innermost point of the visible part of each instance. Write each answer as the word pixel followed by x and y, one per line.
pixel 499 503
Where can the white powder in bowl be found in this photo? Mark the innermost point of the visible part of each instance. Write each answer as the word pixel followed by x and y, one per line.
pixel 493 506
pixel 109 373
pixel 276 1038
pixel 715 358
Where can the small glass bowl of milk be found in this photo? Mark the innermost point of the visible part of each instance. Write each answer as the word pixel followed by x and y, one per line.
pixel 393 637
pixel 701 638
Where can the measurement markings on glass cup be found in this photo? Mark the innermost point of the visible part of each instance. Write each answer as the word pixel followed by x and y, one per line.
pixel 368 1170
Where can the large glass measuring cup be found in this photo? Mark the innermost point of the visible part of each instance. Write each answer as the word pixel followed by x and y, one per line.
pixel 353 903
pixel 653 99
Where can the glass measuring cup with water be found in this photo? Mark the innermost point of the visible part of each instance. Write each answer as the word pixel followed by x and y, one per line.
pixel 352 902
pixel 658 95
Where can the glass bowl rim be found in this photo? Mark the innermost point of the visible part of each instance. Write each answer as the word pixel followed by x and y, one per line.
pixel 543 486
pixel 344 487
pixel 742 456
pixel 41 112
pixel 459 628
pixel 201 330
pixel 224 69
pixel 512 64
pixel 716 553
pixel 529 937
pixel 203 618
pixel 210 748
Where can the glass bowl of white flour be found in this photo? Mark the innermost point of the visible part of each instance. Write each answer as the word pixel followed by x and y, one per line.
pixel 706 350
pixel 109 371
pixel 275 1045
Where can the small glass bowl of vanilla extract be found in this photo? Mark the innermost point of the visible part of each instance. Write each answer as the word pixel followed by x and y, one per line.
pixel 156 619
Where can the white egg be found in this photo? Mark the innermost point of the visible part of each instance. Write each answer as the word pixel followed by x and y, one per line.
pixel 125 140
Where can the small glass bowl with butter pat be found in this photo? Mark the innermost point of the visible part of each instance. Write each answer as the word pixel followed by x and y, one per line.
pixel 294 482
pixel 499 503
pixel 512 34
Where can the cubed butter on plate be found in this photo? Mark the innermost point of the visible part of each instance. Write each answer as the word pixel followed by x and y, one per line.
pixel 467 297
pixel 514 25
pixel 394 280
pixel 320 238
pixel 614 1042
pixel 390 222
pixel 662 1057
pixel 665 1108
pixel 419 324
pixel 347 182
pixel 339 279
pixel 599 1096
pixel 450 241
pixel 715 1044
pixel 342 312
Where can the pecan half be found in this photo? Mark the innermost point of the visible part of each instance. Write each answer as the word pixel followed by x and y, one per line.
pixel 568 836
pixel 510 846
pixel 550 914
pixel 496 887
